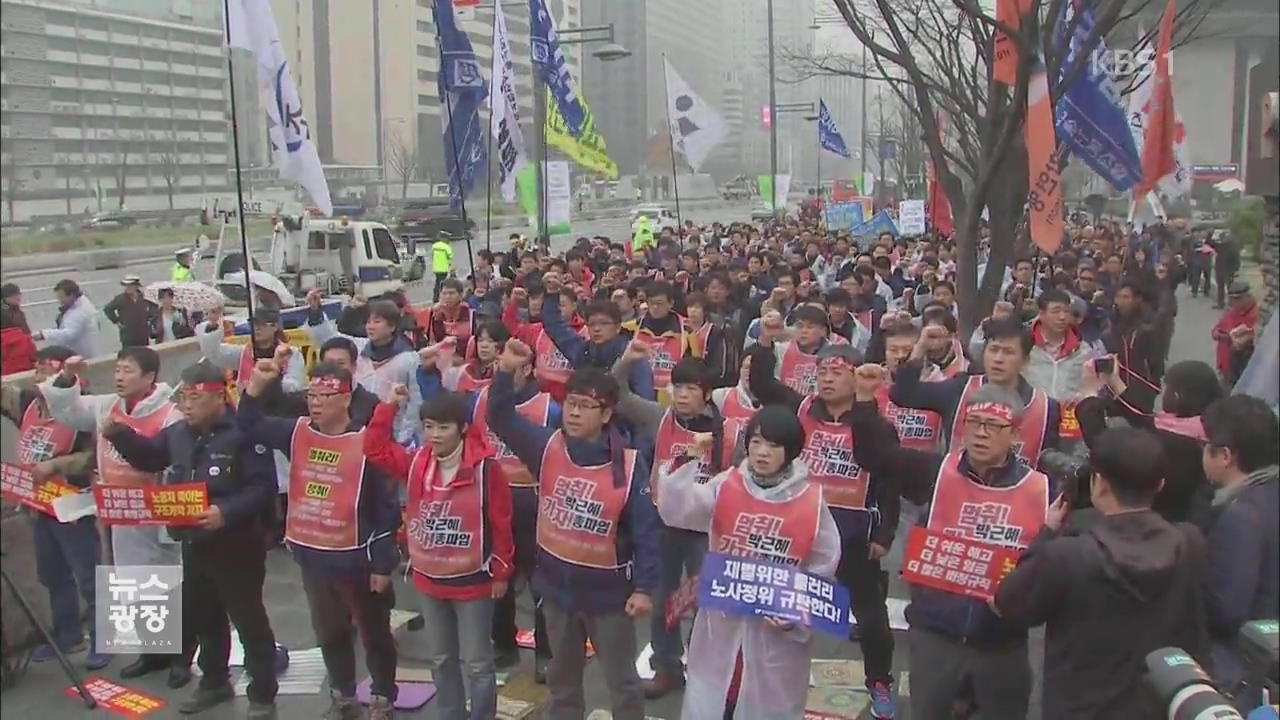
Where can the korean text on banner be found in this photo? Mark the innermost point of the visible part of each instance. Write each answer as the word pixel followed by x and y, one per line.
pixel 911 217
pixel 1044 169
pixel 505 120
pixel 1004 49
pixel 559 197
pixel 177 505
pixel 844 215
pixel 956 565
pixel 756 588
pixel 19 485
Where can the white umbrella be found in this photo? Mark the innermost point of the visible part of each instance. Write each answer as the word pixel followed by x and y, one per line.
pixel 264 280
pixel 188 295
pixel 1230 185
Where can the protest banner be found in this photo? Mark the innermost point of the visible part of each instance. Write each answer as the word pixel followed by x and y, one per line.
pixel 956 565
pixel 178 504
pixel 682 602
pixel 19 485
pixel 911 217
pixel 758 588
pixel 844 215
pixel 118 698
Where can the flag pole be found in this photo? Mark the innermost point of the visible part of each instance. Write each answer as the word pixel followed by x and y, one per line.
pixel 488 197
pixel 457 171
pixel 671 145
pixel 235 151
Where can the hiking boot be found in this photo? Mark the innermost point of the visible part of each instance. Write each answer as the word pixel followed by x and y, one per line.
pixel 662 683
pixel 341 708
pixel 205 698
pixel 380 708
pixel 261 711
pixel 883 706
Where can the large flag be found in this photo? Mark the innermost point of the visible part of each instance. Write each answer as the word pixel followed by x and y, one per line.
pixel 1163 136
pixel 252 27
pixel 1004 66
pixel 549 64
pixel 940 220
pixel 1088 117
pixel 696 127
pixel 828 136
pixel 589 150
pixel 462 93
pixel 505 123
pixel 1044 196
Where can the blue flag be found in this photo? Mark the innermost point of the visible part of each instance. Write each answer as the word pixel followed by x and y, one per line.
pixel 867 232
pixel 550 66
pixel 1088 117
pixel 828 136
pixel 462 94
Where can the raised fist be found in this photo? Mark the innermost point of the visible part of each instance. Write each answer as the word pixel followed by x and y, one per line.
pixel 73 366
pixel 400 394
pixel 313 298
pixel 281 355
pixel 515 355
pixel 551 281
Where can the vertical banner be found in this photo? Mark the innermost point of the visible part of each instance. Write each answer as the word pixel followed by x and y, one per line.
pixel 911 217
pixel 527 188
pixel 1044 197
pixel 559 197
pixel 505 123
pixel 764 183
pixel 781 190
pixel 1004 51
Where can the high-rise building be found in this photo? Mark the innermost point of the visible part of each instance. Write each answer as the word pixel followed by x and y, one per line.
pixel 366 73
pixel 99 94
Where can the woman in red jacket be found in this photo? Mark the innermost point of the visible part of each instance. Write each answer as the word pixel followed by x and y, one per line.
pixel 458 522
pixel 17 349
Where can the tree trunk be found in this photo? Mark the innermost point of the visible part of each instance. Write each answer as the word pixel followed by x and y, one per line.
pixel 170 189
pixel 404 186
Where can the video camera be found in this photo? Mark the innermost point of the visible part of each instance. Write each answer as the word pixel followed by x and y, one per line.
pixel 1181 686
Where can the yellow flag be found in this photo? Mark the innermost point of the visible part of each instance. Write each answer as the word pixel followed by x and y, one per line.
pixel 589 151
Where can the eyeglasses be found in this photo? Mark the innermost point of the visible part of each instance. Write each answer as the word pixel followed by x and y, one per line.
pixel 575 403
pixel 985 426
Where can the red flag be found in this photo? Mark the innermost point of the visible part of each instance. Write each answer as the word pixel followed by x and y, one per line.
pixel 1044 196
pixel 940 219
pixel 1161 122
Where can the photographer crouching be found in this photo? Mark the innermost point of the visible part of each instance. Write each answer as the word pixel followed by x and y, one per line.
pixel 1129 584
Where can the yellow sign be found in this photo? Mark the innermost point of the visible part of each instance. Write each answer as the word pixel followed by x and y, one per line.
pixel 324 457
pixel 317 490
pixel 589 150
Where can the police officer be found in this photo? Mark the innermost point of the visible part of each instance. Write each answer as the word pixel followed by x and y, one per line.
pixel 223 557
pixel 182 261
pixel 441 264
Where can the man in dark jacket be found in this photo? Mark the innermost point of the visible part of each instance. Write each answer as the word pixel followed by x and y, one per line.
pixel 1129 584
pixel 1241 459
pixel 604 342
pixel 131 313
pixel 223 558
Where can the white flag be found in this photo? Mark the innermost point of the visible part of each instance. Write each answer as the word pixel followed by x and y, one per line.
pixel 251 26
pixel 1178 182
pixel 696 127
pixel 505 124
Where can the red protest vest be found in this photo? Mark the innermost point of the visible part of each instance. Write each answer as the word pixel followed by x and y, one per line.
pixel 536 410
pixel 698 341
pixel 799 370
pixel 672 440
pixel 40 438
pixel 440 326
pixel 1009 516
pixel 446 524
pixel 828 453
pixel 668 349
pixel 468 381
pixel 1031 428
pixel 918 429
pixel 112 468
pixel 579 507
pixel 734 407
pixel 326 473
pixel 744 525
pixel 550 365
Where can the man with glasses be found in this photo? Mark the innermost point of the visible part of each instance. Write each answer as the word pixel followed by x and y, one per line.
pixel 980 491
pixel 604 343
pixel 597 532
pixel 343 515
pixel 223 558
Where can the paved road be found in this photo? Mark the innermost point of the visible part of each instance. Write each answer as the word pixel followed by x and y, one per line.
pixel 40 692
pixel 102 285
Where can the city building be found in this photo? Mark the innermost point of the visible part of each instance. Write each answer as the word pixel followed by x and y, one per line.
pixel 111 103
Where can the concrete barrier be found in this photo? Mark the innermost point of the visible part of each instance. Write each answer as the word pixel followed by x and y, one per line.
pixel 101 260
pixel 15 527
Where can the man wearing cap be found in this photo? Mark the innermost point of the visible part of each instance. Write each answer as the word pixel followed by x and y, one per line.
pixel 182 266
pixel 850 450
pixel 341 524
pixel 1234 331
pixel 597 533
pixel 223 557
pixel 131 313
pixel 980 491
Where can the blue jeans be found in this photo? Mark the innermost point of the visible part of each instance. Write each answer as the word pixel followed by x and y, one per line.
pixel 458 639
pixel 682 553
pixel 66 557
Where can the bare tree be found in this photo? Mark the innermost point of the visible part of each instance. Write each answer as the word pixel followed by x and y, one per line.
pixel 122 169
pixel 402 156
pixel 936 57
pixel 171 171
pixel 11 186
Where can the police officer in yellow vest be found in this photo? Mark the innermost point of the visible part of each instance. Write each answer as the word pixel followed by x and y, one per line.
pixel 642 236
pixel 441 264
pixel 182 266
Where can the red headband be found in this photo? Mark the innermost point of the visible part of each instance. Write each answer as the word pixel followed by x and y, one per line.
pixel 1000 410
pixel 839 363
pixel 591 393
pixel 209 387
pixel 331 384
